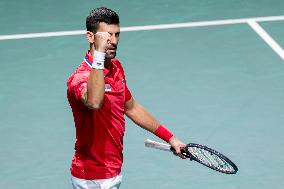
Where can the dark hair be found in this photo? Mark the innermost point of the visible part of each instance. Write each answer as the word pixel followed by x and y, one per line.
pixel 98 15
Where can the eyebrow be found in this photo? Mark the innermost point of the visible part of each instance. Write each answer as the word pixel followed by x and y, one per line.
pixel 117 33
pixel 114 33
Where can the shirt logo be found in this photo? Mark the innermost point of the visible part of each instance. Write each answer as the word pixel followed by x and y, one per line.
pixel 122 81
pixel 107 88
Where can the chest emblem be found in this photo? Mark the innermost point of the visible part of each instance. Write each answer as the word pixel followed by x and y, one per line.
pixel 107 88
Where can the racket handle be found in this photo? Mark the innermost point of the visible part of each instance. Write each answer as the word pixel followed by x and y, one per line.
pixel 158 145
pixel 162 146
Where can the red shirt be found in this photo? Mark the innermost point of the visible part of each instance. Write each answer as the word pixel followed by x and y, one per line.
pixel 99 133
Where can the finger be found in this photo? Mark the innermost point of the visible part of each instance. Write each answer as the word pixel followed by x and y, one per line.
pixel 179 155
pixel 177 151
pixel 103 35
pixel 182 156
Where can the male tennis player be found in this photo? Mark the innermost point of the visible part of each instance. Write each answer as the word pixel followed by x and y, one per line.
pixel 99 98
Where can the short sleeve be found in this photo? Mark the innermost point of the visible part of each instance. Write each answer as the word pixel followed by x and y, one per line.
pixel 79 84
pixel 128 95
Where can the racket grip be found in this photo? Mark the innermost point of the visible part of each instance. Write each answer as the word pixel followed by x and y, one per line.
pixel 183 152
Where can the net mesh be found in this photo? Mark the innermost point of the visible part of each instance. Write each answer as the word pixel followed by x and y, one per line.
pixel 210 159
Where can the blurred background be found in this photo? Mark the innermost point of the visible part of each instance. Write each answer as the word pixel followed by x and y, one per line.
pixel 220 85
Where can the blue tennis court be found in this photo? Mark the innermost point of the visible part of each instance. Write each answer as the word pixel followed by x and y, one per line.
pixel 214 79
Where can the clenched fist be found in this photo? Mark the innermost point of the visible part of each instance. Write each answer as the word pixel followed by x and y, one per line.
pixel 101 40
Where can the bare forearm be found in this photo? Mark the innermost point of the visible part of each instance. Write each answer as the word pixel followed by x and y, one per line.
pixel 95 89
pixel 142 118
pixel 94 94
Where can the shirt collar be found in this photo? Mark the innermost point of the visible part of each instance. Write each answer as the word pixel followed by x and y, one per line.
pixel 89 61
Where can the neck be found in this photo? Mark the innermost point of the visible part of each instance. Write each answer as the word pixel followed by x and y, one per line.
pixel 107 60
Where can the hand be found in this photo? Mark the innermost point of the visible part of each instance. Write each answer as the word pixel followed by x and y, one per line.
pixel 177 145
pixel 101 40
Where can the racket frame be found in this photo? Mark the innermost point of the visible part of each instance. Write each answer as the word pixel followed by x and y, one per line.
pixel 186 153
pixel 220 155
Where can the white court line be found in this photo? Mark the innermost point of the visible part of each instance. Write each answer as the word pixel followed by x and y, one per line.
pixel 148 27
pixel 202 23
pixel 267 38
pixel 45 34
pixel 251 21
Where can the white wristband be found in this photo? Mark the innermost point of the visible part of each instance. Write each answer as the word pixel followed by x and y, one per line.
pixel 98 60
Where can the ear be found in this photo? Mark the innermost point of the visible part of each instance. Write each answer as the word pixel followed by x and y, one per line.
pixel 90 36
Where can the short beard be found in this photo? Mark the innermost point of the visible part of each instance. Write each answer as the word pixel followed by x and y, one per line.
pixel 110 55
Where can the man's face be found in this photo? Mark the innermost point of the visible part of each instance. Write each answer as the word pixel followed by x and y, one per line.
pixel 114 31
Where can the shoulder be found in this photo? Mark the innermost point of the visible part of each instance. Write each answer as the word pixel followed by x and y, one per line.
pixel 80 75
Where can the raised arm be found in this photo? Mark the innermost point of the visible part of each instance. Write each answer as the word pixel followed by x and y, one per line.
pixel 94 93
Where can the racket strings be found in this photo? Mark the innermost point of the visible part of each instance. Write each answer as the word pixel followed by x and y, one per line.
pixel 210 159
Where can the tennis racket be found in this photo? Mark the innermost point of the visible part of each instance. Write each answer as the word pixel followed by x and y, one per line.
pixel 201 154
